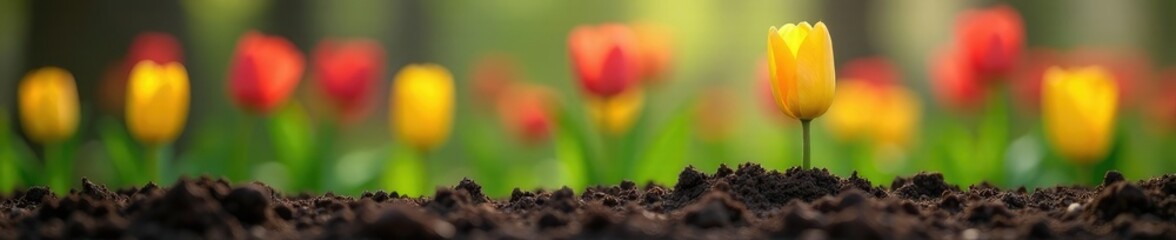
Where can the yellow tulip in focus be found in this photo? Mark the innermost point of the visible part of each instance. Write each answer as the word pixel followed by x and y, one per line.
pixel 618 113
pixel 1078 109
pixel 800 62
pixel 48 105
pixel 801 65
pixel 422 105
pixel 157 102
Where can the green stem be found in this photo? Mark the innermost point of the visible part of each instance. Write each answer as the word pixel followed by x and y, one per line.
pixel 151 162
pixel 58 168
pixel 805 125
pixel 605 139
pixel 238 168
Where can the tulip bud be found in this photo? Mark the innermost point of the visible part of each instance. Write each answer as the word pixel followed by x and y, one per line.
pixel 1078 108
pixel 48 105
pixel 157 102
pixel 264 71
pixel 346 72
pixel 801 62
pixel 422 105
pixel 991 40
pixel 617 114
pixel 605 58
pixel 526 111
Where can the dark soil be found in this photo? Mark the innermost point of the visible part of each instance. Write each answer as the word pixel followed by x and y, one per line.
pixel 745 203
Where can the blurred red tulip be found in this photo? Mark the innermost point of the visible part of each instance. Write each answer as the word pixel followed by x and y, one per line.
pixel 264 71
pixel 764 87
pixel 492 75
pixel 525 110
pixel 1163 104
pixel 347 72
pixel 873 70
pixel 1026 86
pixel 656 52
pixel 991 40
pixel 159 47
pixel 955 85
pixel 605 58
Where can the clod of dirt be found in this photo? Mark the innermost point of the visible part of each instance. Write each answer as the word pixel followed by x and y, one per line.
pixel 1119 198
pixel 921 186
pixel 716 210
pixel 1112 177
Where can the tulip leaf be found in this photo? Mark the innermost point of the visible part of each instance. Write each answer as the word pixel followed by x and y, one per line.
pixel 667 151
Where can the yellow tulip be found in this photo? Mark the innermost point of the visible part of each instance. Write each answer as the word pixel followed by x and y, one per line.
pixel 801 65
pixel 1078 109
pixel 422 105
pixel 157 102
pixel 48 105
pixel 618 113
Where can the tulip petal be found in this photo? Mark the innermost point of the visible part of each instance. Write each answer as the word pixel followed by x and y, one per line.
pixel 782 68
pixel 815 72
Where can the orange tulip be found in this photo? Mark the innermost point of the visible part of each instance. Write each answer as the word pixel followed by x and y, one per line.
pixel 263 72
pixel 347 72
pixel 654 47
pixel 605 58
pixel 991 40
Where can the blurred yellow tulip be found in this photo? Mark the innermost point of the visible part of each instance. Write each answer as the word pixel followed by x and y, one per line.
pixel 897 121
pixel 800 59
pixel 422 105
pixel 157 101
pixel 852 111
pixel 618 113
pixel 1078 109
pixel 885 115
pixel 48 105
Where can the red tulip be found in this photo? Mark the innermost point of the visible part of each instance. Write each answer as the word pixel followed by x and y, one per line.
pixel 873 70
pixel 955 84
pixel 493 74
pixel 264 71
pixel 525 110
pixel 605 58
pixel 1163 106
pixel 346 72
pixel 155 46
pixel 991 40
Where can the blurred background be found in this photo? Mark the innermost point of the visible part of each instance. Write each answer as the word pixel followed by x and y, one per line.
pixel 707 107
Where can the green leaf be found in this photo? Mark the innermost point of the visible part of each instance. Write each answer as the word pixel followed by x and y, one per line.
pixel 667 151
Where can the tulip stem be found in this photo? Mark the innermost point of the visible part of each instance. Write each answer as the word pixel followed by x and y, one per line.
pixel 151 162
pixel 57 167
pixel 603 126
pixel 805 125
